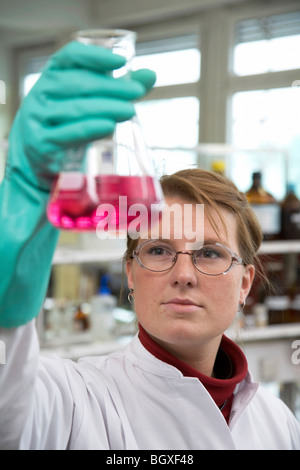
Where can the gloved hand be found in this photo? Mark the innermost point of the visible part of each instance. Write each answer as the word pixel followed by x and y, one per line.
pixel 75 101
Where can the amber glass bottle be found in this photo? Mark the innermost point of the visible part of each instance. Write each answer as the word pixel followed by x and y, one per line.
pixel 266 208
pixel 290 215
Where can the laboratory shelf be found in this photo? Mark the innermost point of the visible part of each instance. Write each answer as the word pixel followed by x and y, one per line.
pixel 83 345
pixel 280 247
pixel 65 255
pixel 80 256
pixel 266 333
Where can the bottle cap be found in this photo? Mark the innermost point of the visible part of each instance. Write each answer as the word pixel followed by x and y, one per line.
pixel 104 288
pixel 219 166
pixel 291 188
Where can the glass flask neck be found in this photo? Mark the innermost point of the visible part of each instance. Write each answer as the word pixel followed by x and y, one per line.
pixel 120 41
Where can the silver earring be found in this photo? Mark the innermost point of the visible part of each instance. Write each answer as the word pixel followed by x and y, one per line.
pixel 130 296
pixel 242 306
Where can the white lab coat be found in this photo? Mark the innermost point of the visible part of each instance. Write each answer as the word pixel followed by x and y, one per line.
pixel 126 400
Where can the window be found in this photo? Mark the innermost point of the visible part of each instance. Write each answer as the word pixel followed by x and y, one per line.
pixel 267 44
pixel 175 60
pixel 173 67
pixel 168 124
pixel 28 82
pixel 173 122
pixel 31 73
pixel 266 116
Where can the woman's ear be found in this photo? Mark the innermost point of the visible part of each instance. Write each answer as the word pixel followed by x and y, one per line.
pixel 129 273
pixel 247 281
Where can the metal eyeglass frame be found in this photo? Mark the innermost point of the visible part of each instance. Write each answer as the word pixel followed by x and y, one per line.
pixel 235 259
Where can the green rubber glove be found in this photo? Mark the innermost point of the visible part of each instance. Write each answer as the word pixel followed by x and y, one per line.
pixel 75 101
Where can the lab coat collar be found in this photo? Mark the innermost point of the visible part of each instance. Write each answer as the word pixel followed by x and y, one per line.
pixel 244 392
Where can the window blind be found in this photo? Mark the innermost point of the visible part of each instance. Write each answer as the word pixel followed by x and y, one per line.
pixel 271 27
pixel 35 64
pixel 189 41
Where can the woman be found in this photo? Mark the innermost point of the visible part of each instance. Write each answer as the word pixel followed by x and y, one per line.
pixel 180 384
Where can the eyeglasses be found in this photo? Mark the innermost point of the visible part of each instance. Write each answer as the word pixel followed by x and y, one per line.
pixel 212 259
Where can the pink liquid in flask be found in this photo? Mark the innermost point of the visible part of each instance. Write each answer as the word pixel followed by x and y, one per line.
pixel 77 201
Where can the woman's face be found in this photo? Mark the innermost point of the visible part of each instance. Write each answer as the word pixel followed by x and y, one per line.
pixel 160 298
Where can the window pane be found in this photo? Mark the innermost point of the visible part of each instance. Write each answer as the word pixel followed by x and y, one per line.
pixel 267 44
pixel 32 72
pixel 28 82
pixel 169 161
pixel 268 119
pixel 171 123
pixel 267 55
pixel 172 68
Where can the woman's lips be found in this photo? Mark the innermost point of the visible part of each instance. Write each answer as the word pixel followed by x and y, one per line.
pixel 183 305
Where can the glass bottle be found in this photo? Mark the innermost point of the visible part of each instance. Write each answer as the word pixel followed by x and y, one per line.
pixel 290 215
pixel 266 208
pixel 294 295
pixel 117 171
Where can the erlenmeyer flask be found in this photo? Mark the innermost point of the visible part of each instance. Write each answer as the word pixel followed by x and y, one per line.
pixel 117 172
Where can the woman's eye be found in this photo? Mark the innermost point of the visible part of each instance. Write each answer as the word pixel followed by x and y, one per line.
pixel 159 251
pixel 156 251
pixel 208 253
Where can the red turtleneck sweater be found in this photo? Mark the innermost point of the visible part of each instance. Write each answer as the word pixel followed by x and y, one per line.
pixel 230 369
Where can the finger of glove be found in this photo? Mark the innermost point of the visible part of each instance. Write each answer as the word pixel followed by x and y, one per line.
pixel 78 55
pixel 146 77
pixel 75 133
pixel 81 109
pixel 75 83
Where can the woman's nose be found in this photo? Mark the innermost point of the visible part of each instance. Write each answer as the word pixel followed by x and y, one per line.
pixel 184 272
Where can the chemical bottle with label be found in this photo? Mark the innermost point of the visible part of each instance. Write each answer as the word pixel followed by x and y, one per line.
pixel 102 307
pixel 277 300
pixel 294 295
pixel 290 215
pixel 278 309
pixel 82 317
pixel 266 208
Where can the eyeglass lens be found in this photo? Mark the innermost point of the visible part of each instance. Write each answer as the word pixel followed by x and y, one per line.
pixel 160 256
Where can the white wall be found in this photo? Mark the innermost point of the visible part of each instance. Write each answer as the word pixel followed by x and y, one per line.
pixel 37 14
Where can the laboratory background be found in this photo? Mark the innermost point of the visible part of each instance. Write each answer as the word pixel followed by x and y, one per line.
pixel 227 99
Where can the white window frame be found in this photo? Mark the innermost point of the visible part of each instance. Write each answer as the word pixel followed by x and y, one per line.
pixel 23 54
pixel 162 31
pixel 217 83
pixel 263 81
